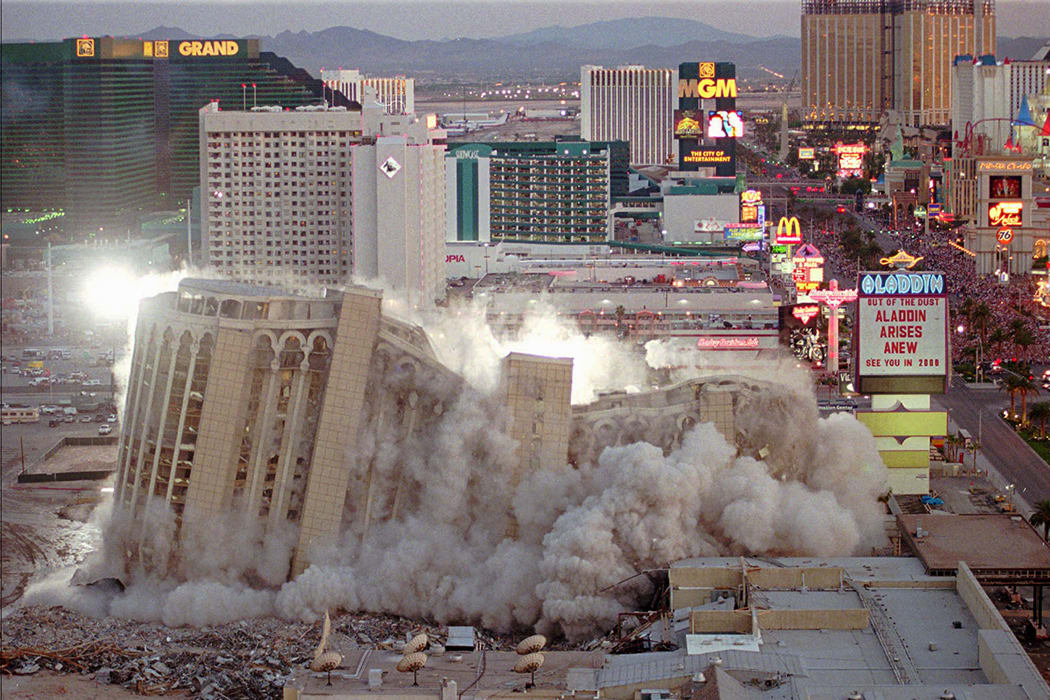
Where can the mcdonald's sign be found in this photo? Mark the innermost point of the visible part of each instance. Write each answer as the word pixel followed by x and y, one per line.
pixel 789 231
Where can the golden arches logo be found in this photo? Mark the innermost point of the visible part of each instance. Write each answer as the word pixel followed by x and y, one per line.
pixel 784 231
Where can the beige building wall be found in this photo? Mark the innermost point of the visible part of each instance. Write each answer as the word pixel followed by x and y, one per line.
pixel 341 418
pixel 537 392
pixel 222 424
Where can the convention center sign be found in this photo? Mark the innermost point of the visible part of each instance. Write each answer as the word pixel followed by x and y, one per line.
pixel 902 333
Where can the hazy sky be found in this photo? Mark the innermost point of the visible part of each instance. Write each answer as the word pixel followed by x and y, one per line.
pixel 424 20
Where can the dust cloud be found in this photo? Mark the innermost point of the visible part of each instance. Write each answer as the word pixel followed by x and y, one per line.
pixel 472 542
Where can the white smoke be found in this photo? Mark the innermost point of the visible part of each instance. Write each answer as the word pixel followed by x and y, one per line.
pixel 459 536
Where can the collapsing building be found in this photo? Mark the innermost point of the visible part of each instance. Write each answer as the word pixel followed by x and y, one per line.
pixel 308 411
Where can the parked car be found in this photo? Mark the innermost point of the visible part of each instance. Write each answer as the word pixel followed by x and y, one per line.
pixel 111 418
pixel 86 419
pixel 105 429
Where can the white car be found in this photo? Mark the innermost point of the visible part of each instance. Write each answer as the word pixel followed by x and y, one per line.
pixel 105 429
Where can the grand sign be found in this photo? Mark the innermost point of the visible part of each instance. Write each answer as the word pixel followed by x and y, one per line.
pixel 902 333
pixel 225 47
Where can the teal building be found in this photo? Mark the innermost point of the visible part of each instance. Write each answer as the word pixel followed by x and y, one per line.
pixel 553 192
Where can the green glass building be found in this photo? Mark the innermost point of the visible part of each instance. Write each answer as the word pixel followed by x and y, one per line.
pixel 552 191
pixel 106 129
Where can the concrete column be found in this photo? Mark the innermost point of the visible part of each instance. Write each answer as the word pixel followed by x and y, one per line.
pixel 261 436
pixel 160 429
pixel 145 421
pixel 130 414
pixel 194 349
pixel 289 443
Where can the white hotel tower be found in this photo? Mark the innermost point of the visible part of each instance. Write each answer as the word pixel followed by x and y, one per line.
pixel 630 103
pixel 397 94
pixel 315 195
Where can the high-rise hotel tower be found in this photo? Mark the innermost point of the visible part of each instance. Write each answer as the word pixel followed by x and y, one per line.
pixel 630 103
pixel 861 58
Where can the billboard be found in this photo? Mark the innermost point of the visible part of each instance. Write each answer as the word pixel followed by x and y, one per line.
pixel 807 268
pixel 707 89
pixel 727 342
pixel 750 203
pixel 1004 186
pixel 724 123
pixel 901 336
pixel 743 232
pixel 1005 214
pixel 851 158
pixel 806 153
pixel 688 124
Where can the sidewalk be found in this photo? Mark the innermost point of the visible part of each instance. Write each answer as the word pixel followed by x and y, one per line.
pixel 994 477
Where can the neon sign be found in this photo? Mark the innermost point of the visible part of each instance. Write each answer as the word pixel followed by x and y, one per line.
pixel 1004 236
pixel 805 313
pixel 834 297
pixel 209 48
pixel 726 342
pixel 784 228
pixel 706 88
pixel 1005 214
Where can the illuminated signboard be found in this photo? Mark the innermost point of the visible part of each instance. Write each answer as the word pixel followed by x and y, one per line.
pixel 805 313
pixel 700 85
pixel 851 158
pixel 1004 186
pixel 750 203
pixel 724 123
pixel 688 124
pixel 807 153
pixel 751 197
pixel 727 342
pixel 743 232
pixel 1007 165
pixel 707 156
pixel 225 47
pixel 808 268
pixel 707 88
pixel 833 297
pixel 1004 235
pixel 85 48
pixel 1005 214
pixel 789 231
pixel 902 332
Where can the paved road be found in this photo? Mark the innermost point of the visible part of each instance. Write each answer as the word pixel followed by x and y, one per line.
pixel 1010 455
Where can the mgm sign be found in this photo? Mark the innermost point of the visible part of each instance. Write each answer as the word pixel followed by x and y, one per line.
pixel 707 88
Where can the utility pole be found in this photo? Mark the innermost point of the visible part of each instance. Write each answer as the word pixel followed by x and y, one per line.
pixel 50 295
pixel 189 232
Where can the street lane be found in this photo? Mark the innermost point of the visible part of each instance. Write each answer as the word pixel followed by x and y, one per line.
pixel 1010 455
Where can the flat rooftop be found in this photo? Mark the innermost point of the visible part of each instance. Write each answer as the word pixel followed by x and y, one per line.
pixel 988 543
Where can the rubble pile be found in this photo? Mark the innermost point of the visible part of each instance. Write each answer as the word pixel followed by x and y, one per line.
pixel 246 659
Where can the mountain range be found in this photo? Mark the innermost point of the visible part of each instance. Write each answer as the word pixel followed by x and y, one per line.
pixel 551 52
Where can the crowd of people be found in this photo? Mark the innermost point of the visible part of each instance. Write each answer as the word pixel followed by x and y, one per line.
pixel 1011 305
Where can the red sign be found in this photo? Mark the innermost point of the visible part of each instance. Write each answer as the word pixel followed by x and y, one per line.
pixel 726 342
pixel 804 313
pixel 1004 236
pixel 455 258
pixel 1005 214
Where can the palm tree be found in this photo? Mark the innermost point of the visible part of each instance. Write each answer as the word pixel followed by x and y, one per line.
pixel 980 314
pixel 1041 516
pixel 1025 387
pixel 1040 411
pixel 997 337
pixel 1011 384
